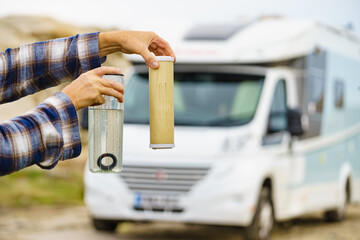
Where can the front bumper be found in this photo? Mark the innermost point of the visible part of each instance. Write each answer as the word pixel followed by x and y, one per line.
pixel 108 197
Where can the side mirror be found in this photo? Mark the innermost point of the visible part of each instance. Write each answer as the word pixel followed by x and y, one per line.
pixel 294 122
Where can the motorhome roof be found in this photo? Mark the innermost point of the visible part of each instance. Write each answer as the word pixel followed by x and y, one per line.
pixel 267 40
pixel 213 32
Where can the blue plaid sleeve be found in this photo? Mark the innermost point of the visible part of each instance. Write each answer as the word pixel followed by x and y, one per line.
pixel 42 136
pixel 34 67
pixel 50 132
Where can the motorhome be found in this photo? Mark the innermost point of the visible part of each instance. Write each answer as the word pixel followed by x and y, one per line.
pixel 267 128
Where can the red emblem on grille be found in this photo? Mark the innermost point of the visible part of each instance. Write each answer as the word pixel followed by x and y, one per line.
pixel 160 175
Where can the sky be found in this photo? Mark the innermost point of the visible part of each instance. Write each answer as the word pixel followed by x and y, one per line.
pixel 170 18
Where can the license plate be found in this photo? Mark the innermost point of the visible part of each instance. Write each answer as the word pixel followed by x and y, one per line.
pixel 155 201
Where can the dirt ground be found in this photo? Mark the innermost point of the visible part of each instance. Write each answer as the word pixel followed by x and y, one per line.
pixel 59 223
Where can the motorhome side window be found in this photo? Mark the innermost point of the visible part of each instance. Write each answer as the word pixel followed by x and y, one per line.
pixel 277 118
pixel 339 94
pixel 316 96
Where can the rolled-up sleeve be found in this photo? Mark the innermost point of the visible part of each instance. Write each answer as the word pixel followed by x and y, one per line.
pixel 34 67
pixel 42 136
pixel 50 132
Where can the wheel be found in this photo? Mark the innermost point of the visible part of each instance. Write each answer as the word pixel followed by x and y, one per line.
pixel 338 214
pixel 263 221
pixel 104 225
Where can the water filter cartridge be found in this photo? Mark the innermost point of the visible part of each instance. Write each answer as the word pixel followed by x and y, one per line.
pixel 161 98
pixel 106 133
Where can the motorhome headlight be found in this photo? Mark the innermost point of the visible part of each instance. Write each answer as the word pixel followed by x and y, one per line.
pixel 234 144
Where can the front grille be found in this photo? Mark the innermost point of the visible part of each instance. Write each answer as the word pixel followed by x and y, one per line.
pixel 162 180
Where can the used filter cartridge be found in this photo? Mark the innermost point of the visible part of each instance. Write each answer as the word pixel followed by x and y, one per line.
pixel 161 99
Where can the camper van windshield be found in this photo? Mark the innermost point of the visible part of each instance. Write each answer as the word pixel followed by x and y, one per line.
pixel 200 98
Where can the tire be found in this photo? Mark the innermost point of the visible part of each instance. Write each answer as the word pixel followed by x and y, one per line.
pixel 104 225
pixel 263 221
pixel 338 214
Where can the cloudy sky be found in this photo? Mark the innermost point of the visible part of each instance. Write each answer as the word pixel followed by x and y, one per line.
pixel 169 18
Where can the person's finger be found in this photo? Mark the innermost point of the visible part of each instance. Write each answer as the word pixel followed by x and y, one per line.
pixel 150 59
pixel 99 101
pixel 162 48
pixel 100 71
pixel 112 84
pixel 163 52
pixel 170 53
pixel 165 46
pixel 160 52
pixel 112 92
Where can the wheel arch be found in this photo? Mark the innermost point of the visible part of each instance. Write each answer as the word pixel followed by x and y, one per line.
pixel 268 182
pixel 345 180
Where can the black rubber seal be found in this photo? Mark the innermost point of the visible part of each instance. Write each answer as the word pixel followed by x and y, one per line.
pixel 110 167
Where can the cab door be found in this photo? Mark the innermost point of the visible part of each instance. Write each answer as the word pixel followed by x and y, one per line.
pixel 276 140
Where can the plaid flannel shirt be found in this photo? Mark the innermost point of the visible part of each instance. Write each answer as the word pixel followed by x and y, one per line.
pixel 50 132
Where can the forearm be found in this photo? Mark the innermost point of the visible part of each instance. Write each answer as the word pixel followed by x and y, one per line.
pixel 109 42
pixel 33 67
pixel 43 136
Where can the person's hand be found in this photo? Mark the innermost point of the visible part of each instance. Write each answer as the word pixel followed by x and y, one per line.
pixel 88 88
pixel 143 43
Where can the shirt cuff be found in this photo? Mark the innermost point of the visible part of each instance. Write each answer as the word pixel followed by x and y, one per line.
pixel 70 132
pixel 88 51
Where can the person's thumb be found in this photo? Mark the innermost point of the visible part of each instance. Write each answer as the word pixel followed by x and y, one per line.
pixel 150 59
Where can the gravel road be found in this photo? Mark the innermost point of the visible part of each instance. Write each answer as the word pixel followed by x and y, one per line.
pixel 59 223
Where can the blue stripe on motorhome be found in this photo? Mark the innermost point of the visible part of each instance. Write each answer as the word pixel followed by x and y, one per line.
pixel 324 165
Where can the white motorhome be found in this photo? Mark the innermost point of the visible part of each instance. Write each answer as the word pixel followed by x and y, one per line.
pixel 267 127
